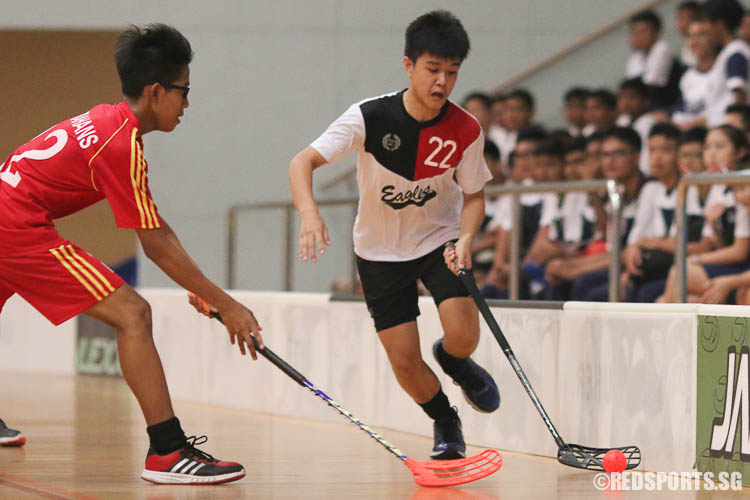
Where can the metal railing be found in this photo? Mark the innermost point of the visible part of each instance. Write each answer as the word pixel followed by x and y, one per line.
pixel 289 236
pixel 609 187
pixel 680 255
pixel 614 194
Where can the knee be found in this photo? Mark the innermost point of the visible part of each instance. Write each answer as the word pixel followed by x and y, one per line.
pixel 137 314
pixel 405 364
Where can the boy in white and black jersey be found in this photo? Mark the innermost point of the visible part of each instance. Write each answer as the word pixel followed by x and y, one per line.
pixel 650 250
pixel 421 178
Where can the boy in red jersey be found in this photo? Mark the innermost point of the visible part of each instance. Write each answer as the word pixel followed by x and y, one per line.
pixel 421 176
pixel 98 155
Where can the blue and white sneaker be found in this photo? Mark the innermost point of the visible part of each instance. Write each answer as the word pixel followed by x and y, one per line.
pixel 478 387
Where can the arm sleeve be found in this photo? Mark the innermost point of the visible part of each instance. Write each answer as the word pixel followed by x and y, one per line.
pixel 658 65
pixel 736 72
pixel 501 214
pixel 120 172
pixel 472 172
pixel 343 136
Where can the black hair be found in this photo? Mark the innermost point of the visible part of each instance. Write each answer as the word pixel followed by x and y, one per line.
pixel 524 96
pixel 438 33
pixel 576 144
pixel 491 149
pixel 533 133
pixel 744 112
pixel 605 97
pixel 730 12
pixel 625 135
pixel 693 7
pixel 155 53
pixel 735 136
pixel 576 93
pixel 647 16
pixel 498 97
pixel 480 96
pixel 597 136
pixel 666 130
pixel 561 134
pixel 691 135
pixel 637 86
pixel 551 146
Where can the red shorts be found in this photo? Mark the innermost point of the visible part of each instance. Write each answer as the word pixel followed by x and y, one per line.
pixel 60 283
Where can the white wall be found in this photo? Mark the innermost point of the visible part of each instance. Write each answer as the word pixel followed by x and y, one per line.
pixel 270 75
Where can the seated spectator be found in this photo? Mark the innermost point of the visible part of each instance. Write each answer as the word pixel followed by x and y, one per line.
pixel 523 172
pixel 478 104
pixel 686 13
pixel 633 104
pixel 586 277
pixel 730 225
pixel 691 109
pixel 564 224
pixel 650 250
pixel 575 110
pixel 728 78
pixel 518 111
pixel 651 59
pixel 601 110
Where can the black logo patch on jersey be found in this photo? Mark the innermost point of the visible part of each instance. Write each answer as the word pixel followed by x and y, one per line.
pixel 391 142
pixel 417 196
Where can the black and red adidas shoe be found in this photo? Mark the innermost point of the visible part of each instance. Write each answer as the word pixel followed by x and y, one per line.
pixel 10 437
pixel 190 465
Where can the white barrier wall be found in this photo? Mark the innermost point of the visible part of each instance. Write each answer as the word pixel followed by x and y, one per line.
pixel 30 343
pixel 607 374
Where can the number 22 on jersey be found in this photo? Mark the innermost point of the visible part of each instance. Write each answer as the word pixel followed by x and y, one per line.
pixel 12 177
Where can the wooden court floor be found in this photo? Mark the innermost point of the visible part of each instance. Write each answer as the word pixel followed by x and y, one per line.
pixel 86 440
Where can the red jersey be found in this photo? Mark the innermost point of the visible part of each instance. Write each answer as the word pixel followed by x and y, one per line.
pixel 70 166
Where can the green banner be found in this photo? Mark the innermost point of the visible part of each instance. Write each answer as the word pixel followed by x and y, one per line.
pixel 723 396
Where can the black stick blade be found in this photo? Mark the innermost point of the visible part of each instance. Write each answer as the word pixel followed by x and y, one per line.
pixel 585 457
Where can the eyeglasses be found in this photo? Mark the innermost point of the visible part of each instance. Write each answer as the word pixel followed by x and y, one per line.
pixel 171 86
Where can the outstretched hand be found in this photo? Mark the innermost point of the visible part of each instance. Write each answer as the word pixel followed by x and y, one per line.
pixel 239 321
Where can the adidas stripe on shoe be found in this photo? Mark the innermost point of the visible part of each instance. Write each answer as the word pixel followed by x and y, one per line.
pixel 190 465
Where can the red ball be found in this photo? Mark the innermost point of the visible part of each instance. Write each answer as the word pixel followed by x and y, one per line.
pixel 614 461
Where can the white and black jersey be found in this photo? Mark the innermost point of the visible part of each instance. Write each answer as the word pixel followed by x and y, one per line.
pixel 410 174
pixel 575 219
pixel 729 73
pixel 532 215
pixel 695 215
pixel 734 221
pixel 655 214
pixel 693 91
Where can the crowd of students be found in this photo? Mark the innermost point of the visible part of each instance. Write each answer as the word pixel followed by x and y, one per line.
pixel 674 113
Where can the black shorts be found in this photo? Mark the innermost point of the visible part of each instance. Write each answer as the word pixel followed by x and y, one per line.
pixel 391 287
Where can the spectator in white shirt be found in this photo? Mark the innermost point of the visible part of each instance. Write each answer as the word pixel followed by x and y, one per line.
pixel 691 111
pixel 728 80
pixel 651 58
pixel 518 111
pixel 633 103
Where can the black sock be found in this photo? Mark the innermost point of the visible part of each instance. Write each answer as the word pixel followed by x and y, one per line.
pixel 166 436
pixel 450 364
pixel 438 407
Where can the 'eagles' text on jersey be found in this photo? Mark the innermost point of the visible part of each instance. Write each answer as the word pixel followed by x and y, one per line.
pixel 410 174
